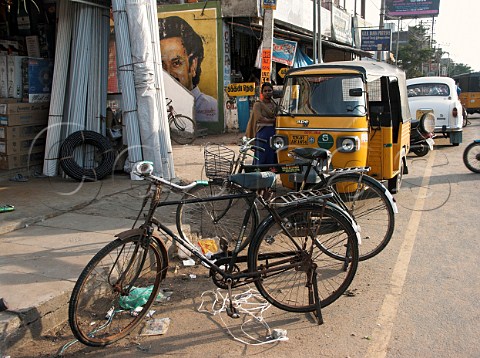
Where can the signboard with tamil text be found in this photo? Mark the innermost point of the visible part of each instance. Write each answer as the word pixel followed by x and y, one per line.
pixel 241 89
pixel 376 40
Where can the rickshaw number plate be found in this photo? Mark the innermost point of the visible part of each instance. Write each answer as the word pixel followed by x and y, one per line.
pixel 299 139
pixel 421 112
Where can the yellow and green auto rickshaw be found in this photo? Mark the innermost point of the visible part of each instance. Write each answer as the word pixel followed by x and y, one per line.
pixel 356 109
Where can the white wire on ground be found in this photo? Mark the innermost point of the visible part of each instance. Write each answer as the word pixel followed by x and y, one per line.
pixel 250 303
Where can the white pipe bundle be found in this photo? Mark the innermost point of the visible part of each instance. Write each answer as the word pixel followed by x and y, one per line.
pixel 82 103
pixel 166 150
pixel 142 59
pixel 59 84
pixel 125 74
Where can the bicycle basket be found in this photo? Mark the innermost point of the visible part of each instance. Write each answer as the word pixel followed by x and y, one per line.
pixel 218 161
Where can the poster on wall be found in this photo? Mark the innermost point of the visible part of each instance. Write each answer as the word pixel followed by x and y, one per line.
pixel 188 44
pixel 284 51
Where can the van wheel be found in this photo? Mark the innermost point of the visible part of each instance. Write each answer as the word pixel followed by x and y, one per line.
pixel 395 182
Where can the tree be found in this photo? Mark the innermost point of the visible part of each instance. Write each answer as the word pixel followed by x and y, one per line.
pixel 416 52
pixel 458 69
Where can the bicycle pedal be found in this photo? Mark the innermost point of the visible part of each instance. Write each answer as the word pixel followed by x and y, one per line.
pixel 232 312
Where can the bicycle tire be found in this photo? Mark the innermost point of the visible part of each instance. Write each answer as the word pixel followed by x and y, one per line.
pixel 471 157
pixel 182 129
pixel 370 206
pixel 95 296
pixel 220 219
pixel 286 288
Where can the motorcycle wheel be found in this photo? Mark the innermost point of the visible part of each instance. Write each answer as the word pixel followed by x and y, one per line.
pixel 421 151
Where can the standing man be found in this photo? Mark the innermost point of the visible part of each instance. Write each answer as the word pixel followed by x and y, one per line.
pixel 182 56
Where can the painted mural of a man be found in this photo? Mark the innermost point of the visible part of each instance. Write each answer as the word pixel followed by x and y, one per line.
pixel 182 56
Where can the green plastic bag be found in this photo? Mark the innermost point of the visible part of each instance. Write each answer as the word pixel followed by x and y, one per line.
pixel 137 298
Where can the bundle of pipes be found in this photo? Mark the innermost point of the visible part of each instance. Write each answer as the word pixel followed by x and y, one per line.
pixel 79 59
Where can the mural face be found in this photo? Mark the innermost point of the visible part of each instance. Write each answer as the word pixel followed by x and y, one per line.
pixel 188 44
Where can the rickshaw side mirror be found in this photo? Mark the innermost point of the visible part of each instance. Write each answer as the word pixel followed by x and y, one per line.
pixel 355 92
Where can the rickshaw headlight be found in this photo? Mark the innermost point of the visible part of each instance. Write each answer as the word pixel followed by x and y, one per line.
pixel 278 142
pixel 348 144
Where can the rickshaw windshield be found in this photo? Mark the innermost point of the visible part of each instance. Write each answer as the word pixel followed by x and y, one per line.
pixel 325 95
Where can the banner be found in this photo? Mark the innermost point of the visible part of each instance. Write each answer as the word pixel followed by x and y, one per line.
pixel 412 8
pixel 284 51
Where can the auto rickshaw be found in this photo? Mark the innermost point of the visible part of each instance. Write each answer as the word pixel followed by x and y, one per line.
pixel 358 110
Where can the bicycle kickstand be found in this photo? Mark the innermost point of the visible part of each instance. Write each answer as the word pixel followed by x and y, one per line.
pixel 316 298
pixel 231 310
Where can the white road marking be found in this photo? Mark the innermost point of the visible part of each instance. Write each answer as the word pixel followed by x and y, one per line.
pixel 386 318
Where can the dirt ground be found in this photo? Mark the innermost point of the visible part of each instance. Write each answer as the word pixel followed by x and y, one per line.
pixel 185 283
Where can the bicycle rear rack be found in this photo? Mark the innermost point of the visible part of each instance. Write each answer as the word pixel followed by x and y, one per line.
pixel 299 197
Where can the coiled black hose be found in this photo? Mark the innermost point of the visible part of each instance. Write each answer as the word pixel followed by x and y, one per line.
pixel 104 156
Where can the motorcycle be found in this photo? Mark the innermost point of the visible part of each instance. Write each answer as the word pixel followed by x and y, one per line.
pixel 421 134
pixel 471 156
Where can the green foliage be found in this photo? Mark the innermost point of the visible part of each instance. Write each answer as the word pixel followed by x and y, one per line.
pixel 458 69
pixel 415 52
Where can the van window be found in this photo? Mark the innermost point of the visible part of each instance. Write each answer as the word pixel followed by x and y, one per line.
pixel 324 95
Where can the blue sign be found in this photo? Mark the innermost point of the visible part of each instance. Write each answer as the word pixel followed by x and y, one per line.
pixel 376 40
pixel 284 51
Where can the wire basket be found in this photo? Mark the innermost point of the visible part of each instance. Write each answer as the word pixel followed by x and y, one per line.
pixel 218 161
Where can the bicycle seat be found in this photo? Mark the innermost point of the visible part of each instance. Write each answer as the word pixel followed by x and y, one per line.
pixel 312 153
pixel 254 181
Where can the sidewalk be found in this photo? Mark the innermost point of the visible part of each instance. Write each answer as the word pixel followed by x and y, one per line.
pixel 56 227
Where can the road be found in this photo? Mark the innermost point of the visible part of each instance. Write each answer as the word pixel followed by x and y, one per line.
pixel 418 298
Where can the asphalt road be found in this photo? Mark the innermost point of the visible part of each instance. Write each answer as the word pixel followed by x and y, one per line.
pixel 418 298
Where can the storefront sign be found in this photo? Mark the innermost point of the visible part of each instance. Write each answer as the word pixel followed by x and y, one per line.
pixel 241 89
pixel 284 51
pixel 376 40
pixel 341 26
pixel 266 65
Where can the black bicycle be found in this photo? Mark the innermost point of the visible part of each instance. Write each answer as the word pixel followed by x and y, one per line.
pixel 303 256
pixel 182 128
pixel 365 199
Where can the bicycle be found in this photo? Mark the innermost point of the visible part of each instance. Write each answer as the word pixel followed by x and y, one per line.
pixel 471 156
pixel 303 257
pixel 182 128
pixel 365 199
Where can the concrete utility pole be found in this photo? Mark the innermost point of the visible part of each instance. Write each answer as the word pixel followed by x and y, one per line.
pixel 319 22
pixel 381 26
pixel 267 40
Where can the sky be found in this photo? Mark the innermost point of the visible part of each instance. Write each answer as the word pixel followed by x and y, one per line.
pixel 457 30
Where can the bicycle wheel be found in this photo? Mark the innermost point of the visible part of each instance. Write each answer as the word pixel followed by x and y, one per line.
pixel 220 219
pixel 370 205
pixel 119 278
pixel 287 264
pixel 471 157
pixel 182 129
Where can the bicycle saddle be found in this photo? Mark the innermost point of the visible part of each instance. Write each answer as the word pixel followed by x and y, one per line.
pixel 312 153
pixel 254 181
